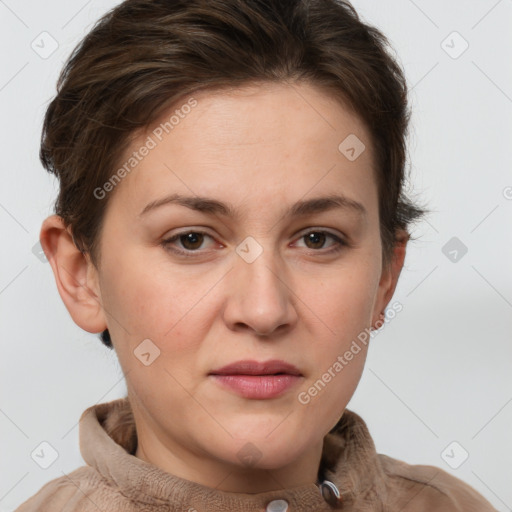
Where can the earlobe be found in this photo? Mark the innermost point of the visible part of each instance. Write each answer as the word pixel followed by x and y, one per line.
pixel 390 275
pixel 75 276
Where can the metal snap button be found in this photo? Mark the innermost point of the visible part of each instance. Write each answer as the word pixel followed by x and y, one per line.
pixel 277 506
pixel 331 494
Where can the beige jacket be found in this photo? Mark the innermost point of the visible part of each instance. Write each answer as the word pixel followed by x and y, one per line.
pixel 116 481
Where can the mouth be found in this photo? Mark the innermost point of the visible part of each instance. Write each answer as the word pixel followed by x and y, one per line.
pixel 247 367
pixel 258 380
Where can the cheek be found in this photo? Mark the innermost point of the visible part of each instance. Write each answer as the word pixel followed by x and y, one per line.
pixel 344 302
pixel 147 296
pixel 341 345
pixel 172 308
pixel 341 310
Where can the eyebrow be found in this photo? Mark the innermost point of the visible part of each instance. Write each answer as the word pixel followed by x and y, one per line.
pixel 300 208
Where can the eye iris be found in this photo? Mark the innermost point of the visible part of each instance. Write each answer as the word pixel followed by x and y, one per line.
pixel 191 240
pixel 317 239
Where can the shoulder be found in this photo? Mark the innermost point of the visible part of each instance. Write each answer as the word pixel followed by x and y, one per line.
pixel 82 490
pixel 418 488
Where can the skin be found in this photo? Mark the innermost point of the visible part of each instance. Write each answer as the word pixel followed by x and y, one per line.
pixel 261 149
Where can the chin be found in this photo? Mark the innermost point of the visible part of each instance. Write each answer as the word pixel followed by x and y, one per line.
pixel 264 453
pixel 266 429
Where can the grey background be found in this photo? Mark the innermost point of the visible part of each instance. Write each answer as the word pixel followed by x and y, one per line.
pixel 440 372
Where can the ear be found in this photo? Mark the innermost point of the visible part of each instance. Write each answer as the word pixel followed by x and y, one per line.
pixel 75 275
pixel 390 275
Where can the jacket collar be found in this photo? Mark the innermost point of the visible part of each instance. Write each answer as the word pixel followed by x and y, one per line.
pixel 349 461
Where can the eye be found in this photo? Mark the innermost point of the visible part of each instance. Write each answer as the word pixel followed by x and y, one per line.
pixel 315 239
pixel 190 241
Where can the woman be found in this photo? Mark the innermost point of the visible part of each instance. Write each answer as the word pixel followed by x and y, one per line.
pixel 231 219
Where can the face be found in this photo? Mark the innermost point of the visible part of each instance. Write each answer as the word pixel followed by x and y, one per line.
pixel 269 250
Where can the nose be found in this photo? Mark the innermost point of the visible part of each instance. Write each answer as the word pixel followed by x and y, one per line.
pixel 260 299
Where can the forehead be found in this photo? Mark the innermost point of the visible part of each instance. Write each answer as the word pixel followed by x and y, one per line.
pixel 277 139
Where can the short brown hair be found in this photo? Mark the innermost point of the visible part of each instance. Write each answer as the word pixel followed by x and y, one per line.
pixel 143 55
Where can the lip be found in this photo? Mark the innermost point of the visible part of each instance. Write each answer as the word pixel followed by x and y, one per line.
pixel 250 367
pixel 258 387
pixel 258 380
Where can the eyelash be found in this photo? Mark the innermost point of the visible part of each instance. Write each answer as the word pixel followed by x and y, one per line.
pixel 339 246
